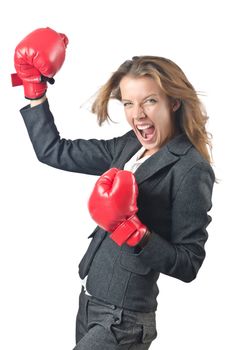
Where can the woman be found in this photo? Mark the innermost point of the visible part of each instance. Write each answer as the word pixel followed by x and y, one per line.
pixel 151 201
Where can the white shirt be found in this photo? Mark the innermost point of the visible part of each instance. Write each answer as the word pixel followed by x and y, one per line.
pixel 135 161
pixel 132 165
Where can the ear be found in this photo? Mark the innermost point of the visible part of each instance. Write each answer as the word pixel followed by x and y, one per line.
pixel 176 105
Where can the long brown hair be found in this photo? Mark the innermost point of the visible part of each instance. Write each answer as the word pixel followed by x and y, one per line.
pixel 191 117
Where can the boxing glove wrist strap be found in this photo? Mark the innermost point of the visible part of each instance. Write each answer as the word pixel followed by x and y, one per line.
pixel 126 229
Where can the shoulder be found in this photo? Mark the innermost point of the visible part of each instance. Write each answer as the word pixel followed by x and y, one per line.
pixel 191 168
pixel 189 156
pixel 120 142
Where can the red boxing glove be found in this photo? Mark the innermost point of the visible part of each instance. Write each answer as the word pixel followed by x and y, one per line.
pixel 113 205
pixel 38 57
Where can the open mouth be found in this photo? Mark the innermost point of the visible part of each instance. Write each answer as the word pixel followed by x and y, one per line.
pixel 147 131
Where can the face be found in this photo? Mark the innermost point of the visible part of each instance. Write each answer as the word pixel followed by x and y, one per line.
pixel 149 111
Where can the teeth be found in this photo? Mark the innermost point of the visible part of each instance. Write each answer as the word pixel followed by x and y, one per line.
pixel 143 127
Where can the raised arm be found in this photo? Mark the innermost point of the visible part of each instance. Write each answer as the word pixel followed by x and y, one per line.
pixel 83 156
pixel 38 57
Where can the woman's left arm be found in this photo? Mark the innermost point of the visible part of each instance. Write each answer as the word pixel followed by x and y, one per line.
pixel 182 256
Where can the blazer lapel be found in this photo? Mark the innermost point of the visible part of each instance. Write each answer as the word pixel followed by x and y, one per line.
pixel 167 155
pixel 155 163
pixel 132 146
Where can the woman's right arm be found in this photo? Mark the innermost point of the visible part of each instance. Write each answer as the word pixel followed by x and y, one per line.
pixel 37 102
pixel 84 156
pixel 38 57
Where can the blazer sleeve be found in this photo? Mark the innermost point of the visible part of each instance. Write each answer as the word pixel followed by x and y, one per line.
pixel 83 156
pixel 184 254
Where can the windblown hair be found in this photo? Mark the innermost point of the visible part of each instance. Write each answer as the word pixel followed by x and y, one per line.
pixel 191 116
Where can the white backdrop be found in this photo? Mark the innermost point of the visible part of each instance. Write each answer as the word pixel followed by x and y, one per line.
pixel 44 219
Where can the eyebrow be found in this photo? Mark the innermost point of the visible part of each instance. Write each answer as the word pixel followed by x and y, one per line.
pixel 124 99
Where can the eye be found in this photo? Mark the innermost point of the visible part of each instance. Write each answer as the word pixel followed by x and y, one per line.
pixel 127 104
pixel 150 101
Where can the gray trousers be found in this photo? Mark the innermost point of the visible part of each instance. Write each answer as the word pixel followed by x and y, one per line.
pixel 104 326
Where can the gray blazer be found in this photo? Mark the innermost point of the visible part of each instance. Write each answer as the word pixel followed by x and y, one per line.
pixel 175 187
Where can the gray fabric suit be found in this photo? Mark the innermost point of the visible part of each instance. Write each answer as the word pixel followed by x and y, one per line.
pixel 175 188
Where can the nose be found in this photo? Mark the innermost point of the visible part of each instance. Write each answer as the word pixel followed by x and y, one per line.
pixel 139 113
